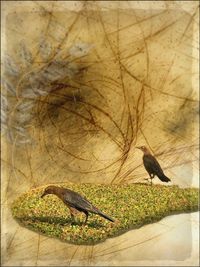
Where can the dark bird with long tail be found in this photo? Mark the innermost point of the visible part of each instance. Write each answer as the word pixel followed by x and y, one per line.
pixel 75 202
pixel 152 166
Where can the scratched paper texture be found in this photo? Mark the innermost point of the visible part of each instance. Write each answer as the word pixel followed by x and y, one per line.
pixel 83 83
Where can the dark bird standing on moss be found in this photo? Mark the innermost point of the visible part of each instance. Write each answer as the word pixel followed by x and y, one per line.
pixel 75 202
pixel 152 166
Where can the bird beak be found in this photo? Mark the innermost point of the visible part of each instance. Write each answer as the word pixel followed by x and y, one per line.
pixel 43 195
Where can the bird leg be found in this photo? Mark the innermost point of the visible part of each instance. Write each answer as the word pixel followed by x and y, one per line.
pixel 86 214
pixel 72 213
pixel 72 216
pixel 151 177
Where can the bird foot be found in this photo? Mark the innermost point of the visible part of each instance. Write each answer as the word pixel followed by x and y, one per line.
pixel 63 223
pixel 147 179
pixel 73 223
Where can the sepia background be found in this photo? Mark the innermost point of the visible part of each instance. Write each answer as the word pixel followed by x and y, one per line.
pixel 83 83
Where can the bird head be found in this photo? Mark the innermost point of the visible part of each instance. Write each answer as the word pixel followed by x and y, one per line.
pixel 49 190
pixel 144 149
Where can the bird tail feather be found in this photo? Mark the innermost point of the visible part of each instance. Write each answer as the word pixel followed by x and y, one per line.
pixel 105 216
pixel 164 178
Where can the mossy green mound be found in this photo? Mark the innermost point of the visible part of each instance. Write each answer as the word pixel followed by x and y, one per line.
pixel 131 205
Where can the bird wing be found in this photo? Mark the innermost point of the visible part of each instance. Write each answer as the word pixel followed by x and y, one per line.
pixel 151 164
pixel 77 201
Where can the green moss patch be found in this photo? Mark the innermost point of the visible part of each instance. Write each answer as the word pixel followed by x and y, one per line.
pixel 131 205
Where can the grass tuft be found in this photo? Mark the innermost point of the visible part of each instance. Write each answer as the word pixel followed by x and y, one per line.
pixel 131 205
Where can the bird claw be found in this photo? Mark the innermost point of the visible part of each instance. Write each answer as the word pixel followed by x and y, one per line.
pixel 147 179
